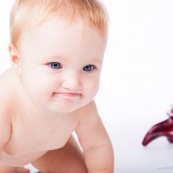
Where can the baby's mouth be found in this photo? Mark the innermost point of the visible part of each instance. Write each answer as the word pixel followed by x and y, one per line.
pixel 67 94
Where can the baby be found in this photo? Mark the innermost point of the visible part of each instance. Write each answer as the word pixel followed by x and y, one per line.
pixel 56 51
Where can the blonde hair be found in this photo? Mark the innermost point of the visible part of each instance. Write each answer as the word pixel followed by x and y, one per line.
pixel 27 14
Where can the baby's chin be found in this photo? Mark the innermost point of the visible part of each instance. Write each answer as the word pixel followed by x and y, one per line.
pixel 62 105
pixel 60 109
pixel 67 109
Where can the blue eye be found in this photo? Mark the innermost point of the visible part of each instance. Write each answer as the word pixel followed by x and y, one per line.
pixel 88 68
pixel 55 65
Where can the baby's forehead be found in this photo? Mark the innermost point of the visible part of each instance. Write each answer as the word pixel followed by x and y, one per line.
pixel 57 21
pixel 64 26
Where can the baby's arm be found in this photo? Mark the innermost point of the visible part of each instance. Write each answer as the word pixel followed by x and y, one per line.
pixel 94 140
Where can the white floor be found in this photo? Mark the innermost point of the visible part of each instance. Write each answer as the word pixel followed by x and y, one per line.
pixel 33 170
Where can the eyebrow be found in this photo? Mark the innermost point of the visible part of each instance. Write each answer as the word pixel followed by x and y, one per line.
pixel 51 58
pixel 97 60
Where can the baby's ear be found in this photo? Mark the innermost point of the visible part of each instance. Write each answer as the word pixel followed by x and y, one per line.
pixel 14 57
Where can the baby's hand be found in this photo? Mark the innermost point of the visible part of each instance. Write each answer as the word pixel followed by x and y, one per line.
pixel 22 170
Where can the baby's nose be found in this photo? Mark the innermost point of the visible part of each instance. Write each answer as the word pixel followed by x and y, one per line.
pixel 72 83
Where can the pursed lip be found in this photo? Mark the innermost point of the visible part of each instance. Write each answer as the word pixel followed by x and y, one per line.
pixel 67 94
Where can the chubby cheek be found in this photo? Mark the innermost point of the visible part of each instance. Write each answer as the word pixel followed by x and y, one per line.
pixel 93 88
pixel 39 88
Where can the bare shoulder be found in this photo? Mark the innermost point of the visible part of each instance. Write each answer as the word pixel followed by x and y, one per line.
pixel 6 101
pixel 88 112
pixel 89 107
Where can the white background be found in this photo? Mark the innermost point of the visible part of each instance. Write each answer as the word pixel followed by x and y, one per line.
pixel 137 80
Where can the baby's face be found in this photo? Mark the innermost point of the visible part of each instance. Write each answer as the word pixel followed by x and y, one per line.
pixel 61 64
